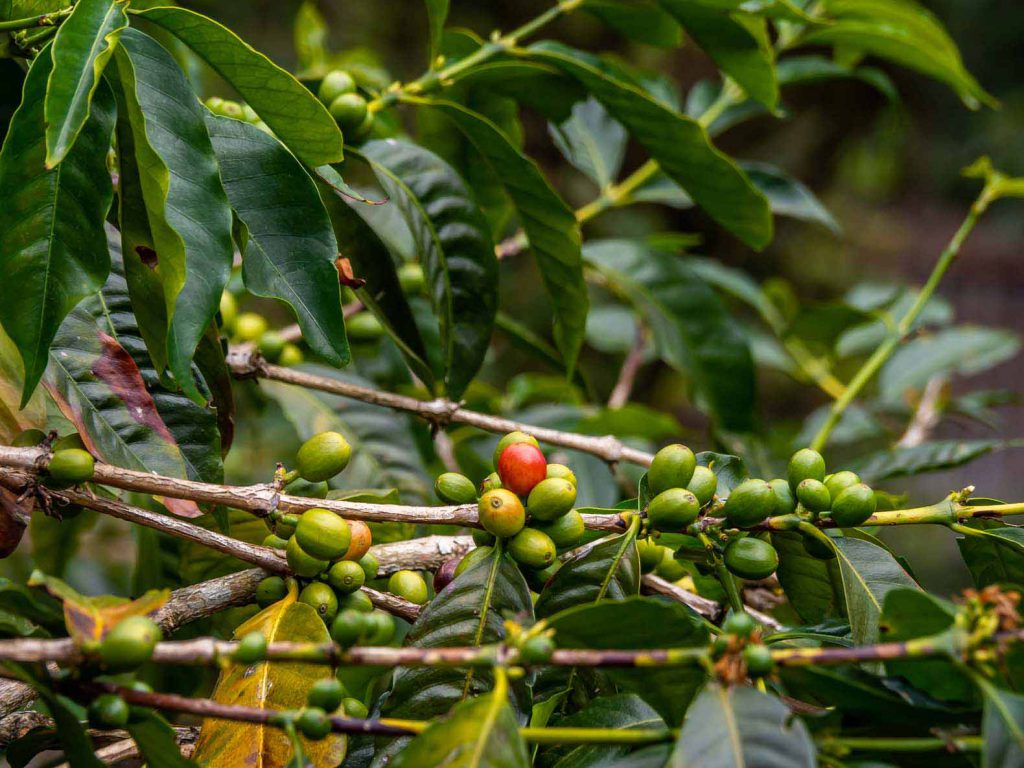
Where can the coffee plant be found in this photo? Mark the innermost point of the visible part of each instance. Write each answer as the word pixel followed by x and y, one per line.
pixel 197 244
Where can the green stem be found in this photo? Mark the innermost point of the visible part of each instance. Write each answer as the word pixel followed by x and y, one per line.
pixel 884 351
pixel 895 744
pixel 31 22
pixel 596 735
pixel 724 576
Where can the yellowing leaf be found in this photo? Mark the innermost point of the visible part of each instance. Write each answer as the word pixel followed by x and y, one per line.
pixel 281 685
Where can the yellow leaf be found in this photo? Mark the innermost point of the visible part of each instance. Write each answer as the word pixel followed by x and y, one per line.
pixel 12 419
pixel 278 685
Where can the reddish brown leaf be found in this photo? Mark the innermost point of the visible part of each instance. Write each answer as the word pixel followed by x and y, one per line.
pixel 116 368
pixel 345 274
pixel 147 255
pixel 13 519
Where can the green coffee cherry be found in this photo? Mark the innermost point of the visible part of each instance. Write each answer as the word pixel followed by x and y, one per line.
pixel 550 499
pixel 567 531
pixel 363 129
pixel 350 626
pixel 364 326
pixel 291 356
pixel 323 534
pixel 354 708
pixel 537 650
pixel 349 110
pixel 510 439
pixel 703 484
pixel 303 563
pixel 490 483
pixel 739 623
pixel 335 83
pixel 651 554
pixel 805 464
pixel 270 590
pixel 323 456
pixel 751 558
pixel 320 598
pixel 313 723
pixel 130 643
pixel 749 503
pixel 70 466
pixel 453 488
pixel 251 648
pixel 537 579
pixel 532 548
pixel 381 628
pixel 840 481
pixel 853 506
pixel 370 565
pixel 410 585
pixel 307 490
pixel 271 345
pixel 326 694
pixel 672 467
pixel 669 568
pixel 359 601
pixel 250 326
pixel 813 495
pixel 108 711
pixel 562 471
pixel 785 501
pixel 483 538
pixel 501 513
pixel 214 104
pixel 411 278
pixel 758 659
pixel 673 510
pixel 228 310
pixel 346 576
pixel 471 558
pixel 285 526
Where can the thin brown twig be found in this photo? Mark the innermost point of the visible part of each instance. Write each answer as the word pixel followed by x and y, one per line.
pixel 927 414
pixel 630 368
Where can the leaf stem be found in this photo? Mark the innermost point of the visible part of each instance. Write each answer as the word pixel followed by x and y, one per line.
pixel 909 744
pixel 30 22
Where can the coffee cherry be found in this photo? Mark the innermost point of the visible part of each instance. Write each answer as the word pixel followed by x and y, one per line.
pixel 445 574
pixel 335 83
pixel 214 104
pixel 307 490
pixel 285 526
pixel 354 708
pixel 840 481
pixel 672 467
pixel 703 484
pixel 471 558
pixel 411 278
pixel 453 488
pixel 501 513
pixel 567 531
pixel 749 503
pixel 785 501
pixel 364 128
pixel 249 326
pixel 805 464
pixel 561 471
pixel 71 440
pixel 363 326
pixel 739 623
pixel 550 499
pixel 670 568
pixel 813 495
pixel 251 648
pixel 853 506
pixel 323 456
pixel 751 558
pixel 323 534
pixel 521 467
pixel 270 590
pixel 228 310
pixel 70 466
pixel 381 628
pixel 532 548
pixel 326 693
pixel 320 598
pixel 130 643
pixel 370 566
pixel 291 356
pixel 483 538
pixel 490 483
pixel 108 711
pixel 303 563
pixel 651 554
pixel 348 110
pixel 361 540
pixel 313 723
pixel 758 659
pixel 271 345
pixel 350 626
pixel 511 439
pixel 673 510
pixel 537 650
pixel 359 601
pixel 346 576
pixel 410 585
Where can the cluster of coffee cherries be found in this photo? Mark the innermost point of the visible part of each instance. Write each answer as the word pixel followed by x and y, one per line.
pixel 526 502
pixel 347 106
pixel 738 650
pixel 252 328
pixel 682 492
pixel 236 111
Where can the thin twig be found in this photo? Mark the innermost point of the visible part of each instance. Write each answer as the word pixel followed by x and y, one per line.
pixel 927 414
pixel 630 367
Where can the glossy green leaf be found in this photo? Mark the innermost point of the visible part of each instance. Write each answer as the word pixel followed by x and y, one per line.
pixel 80 50
pixel 455 246
pixel 550 225
pixel 592 142
pixel 927 457
pixel 691 329
pixel 741 727
pixel 469 611
pixel 623 711
pixel 737 42
pixel 53 252
pixel 1002 728
pixel 384 453
pixel 157 741
pixel 290 249
pixel 294 114
pixel 188 211
pixel 868 574
pixel 480 733
pixel 901 31
pixel 679 143
pixel 642 21
pixel 997 557
pixel 310 36
pixel 640 623
pixel 800 70
pixel 437 15
pixel 536 85
pixel 807 581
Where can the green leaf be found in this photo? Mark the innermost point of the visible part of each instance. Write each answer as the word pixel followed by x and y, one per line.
pixel 294 114
pixel 469 611
pixel 70 730
pixel 310 37
pixel 799 70
pixel 290 249
pixel 622 711
pixel 741 727
pixel 644 21
pixel 965 350
pixel 1002 728
pixel 640 623
pixel 927 457
pixel 455 246
pixel 679 144
pixel 691 329
pixel 903 32
pixel 437 15
pixel 997 557
pixel 53 251
pixel 737 42
pixel 156 741
pixel 80 51
pixel 868 573
pixel 806 580
pixel 550 225
pixel 188 211
pixel 592 142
